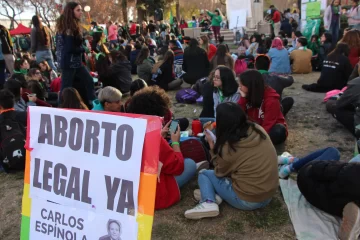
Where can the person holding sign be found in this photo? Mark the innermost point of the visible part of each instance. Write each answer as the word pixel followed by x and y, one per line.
pixel 174 171
pixel 245 161
pixel 332 19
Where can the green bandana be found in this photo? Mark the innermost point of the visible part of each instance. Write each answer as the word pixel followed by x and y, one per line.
pixel 263 71
pixel 98 55
pixel 22 71
pixel 221 96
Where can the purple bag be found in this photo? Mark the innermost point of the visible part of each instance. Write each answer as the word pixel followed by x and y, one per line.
pixel 187 95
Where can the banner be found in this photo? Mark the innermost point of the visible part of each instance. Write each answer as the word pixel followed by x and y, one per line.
pixel 89 175
pixel 313 9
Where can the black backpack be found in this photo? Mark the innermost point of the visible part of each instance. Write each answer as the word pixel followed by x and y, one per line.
pixel 12 142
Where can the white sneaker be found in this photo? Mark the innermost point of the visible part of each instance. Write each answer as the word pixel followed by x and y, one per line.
pixel 350 226
pixel 283 155
pixel 203 210
pixel 197 196
pixel 202 165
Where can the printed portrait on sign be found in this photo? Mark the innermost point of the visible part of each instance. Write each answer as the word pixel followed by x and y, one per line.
pixel 113 230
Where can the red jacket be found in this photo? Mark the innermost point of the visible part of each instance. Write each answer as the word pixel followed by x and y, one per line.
pixel 276 17
pixel 211 52
pixel 38 102
pixel 167 190
pixel 55 85
pixel 184 25
pixel 132 29
pixel 270 110
pixel 354 56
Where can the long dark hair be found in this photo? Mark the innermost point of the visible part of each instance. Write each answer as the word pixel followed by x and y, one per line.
pixel 253 80
pixel 42 34
pixel 340 49
pixel 18 62
pixel 229 84
pixel 72 99
pixel 127 51
pixel 232 125
pixel 169 57
pixel 144 53
pixel 194 48
pixel 67 21
pixel 328 37
pixel 118 56
pixel 332 3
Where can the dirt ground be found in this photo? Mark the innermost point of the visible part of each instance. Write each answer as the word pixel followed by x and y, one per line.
pixel 310 128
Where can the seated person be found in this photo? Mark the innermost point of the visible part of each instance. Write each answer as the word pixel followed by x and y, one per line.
pixel 256 41
pixel 326 46
pixel 163 73
pixel 144 64
pixel 21 68
pixel 178 57
pixel 225 86
pixel 151 46
pixel 330 185
pixel 314 45
pixel 262 64
pixel 133 55
pixel 301 57
pixel 71 99
pixel 262 105
pixel 280 62
pixel 222 57
pixel 335 71
pixel 109 100
pixel 7 108
pixel 118 74
pixel 46 71
pixel 20 104
pixel 175 170
pixel 245 173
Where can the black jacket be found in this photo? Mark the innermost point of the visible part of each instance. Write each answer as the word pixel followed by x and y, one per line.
pixel 166 75
pixel 118 76
pixel 207 91
pixel 324 50
pixel 6 43
pixel 330 185
pixel 355 72
pixel 195 64
pixel 334 75
pixel 286 27
pixel 133 55
pixel 351 97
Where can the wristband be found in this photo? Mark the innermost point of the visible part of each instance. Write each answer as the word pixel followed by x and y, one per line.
pixel 175 143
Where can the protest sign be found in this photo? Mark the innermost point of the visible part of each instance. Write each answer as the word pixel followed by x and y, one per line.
pixel 313 9
pixel 89 175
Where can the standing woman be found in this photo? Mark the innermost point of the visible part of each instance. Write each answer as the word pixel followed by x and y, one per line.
pixel 70 50
pixel 332 19
pixel 208 47
pixel 352 39
pixel 216 20
pixel 183 24
pixel 41 42
pixel 354 15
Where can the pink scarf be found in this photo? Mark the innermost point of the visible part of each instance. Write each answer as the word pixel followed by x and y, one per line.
pixel 277 43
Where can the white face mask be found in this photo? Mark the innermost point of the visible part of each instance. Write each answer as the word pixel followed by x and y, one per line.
pixel 242 93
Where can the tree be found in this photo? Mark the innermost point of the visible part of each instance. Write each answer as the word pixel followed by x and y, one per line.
pixel 46 9
pixel 11 9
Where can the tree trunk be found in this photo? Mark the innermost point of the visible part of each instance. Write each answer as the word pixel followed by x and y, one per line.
pixel 124 11
pixel 12 23
pixel 141 15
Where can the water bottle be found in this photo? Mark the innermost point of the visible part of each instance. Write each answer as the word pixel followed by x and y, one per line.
pixel 196 127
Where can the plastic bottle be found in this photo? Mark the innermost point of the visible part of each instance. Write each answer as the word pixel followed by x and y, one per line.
pixel 196 127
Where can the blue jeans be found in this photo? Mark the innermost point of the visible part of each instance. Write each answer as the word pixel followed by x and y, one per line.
pixel 209 184
pixel 334 30
pixel 45 55
pixel 329 153
pixel 153 35
pixel 188 173
pixel 87 91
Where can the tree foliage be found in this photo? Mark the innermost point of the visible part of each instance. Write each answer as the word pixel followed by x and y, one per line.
pixel 11 9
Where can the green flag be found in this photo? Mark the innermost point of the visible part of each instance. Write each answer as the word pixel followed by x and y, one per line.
pixel 171 18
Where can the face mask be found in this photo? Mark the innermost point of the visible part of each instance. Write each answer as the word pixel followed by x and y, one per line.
pixel 242 93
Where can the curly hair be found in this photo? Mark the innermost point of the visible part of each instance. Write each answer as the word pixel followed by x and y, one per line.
pixel 150 101
pixel 352 39
pixel 67 21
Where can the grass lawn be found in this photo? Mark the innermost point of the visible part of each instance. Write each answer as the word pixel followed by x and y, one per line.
pixel 310 128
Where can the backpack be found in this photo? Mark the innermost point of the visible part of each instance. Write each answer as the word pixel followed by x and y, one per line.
pixel 12 141
pixel 187 95
pixel 193 148
pixel 240 66
pixel 198 86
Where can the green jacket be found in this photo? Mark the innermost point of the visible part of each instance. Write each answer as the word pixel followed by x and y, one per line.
pixel 215 19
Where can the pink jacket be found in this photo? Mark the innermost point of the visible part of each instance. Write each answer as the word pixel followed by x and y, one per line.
pixel 354 16
pixel 112 33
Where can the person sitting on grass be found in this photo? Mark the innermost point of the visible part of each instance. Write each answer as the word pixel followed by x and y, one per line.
pixel 71 99
pixel 144 65
pixel 109 100
pixel 225 86
pixel 261 103
pixel 222 57
pixel 46 71
pixel 301 57
pixel 245 166
pixel 329 185
pixel 280 63
pixel 278 83
pixel 335 71
pixel 20 104
pixel 7 108
pixel 175 171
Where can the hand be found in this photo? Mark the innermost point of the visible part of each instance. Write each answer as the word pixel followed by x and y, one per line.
pixel 175 137
pixel 32 99
pixel 209 140
pixel 165 130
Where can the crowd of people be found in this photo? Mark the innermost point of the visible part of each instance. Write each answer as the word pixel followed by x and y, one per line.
pixel 241 93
